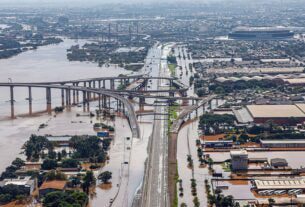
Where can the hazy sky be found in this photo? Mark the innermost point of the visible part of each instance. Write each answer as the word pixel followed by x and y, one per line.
pixel 88 3
pixel 77 2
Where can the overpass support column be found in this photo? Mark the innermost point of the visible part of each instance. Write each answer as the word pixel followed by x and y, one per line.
pixel 123 108
pixel 69 95
pixel 99 84
pixel 30 101
pixel 67 99
pixel 111 84
pixel 49 101
pixel 109 103
pixel 90 86
pixel 88 101
pixel 217 102
pixel 103 101
pixel 73 94
pixel 62 97
pixel 77 95
pixel 84 101
pixel 12 102
pixel 104 83
pixel 94 86
pixel 99 102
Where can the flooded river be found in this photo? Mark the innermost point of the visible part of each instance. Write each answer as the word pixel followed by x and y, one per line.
pixel 48 63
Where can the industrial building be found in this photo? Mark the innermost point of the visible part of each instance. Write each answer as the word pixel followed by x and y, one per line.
pixel 290 143
pixel 280 184
pixel 218 144
pixel 260 33
pixel 279 114
pixel 239 160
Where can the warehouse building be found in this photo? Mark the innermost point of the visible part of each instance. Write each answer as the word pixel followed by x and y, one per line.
pixel 218 144
pixel 279 114
pixel 279 184
pixel 289 143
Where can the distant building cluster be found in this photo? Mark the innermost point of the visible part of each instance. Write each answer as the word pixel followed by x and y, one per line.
pixel 261 33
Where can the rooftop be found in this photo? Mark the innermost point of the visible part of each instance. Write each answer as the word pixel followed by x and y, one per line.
pixel 260 29
pixel 283 141
pixel 17 181
pixel 54 184
pixel 275 111
pixel 58 138
pixel 280 184
pixel 238 153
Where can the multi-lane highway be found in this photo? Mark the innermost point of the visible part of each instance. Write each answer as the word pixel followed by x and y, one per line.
pixel 155 192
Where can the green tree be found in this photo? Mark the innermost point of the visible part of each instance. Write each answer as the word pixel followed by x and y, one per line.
pixel 88 181
pixel 49 164
pixel 105 176
pixel 18 163
pixel 69 163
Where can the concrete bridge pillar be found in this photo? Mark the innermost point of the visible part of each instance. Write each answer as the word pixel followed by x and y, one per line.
pixel 30 101
pixel 112 84
pixel 84 100
pixel 67 99
pixel 104 101
pixel 217 101
pixel 90 86
pixel 109 103
pixel 99 102
pixel 77 94
pixel 74 95
pixel 99 84
pixel 123 107
pixel 88 101
pixel 94 86
pixel 49 101
pixel 12 102
pixel 69 95
pixel 119 105
pixel 104 83
pixel 62 97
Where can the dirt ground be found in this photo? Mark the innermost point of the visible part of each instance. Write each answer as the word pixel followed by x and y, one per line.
pixel 172 166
